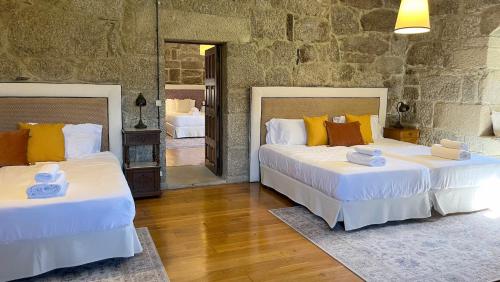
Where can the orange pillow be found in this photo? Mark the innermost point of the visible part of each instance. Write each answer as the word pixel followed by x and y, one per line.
pixel 14 147
pixel 344 134
pixel 365 123
pixel 316 131
pixel 46 142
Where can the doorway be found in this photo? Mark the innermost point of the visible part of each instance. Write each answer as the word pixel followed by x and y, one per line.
pixel 193 114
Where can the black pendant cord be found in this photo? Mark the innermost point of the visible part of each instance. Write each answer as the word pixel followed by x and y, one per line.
pixel 158 58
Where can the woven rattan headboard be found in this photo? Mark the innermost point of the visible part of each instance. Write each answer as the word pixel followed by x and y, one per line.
pixel 298 107
pixel 70 110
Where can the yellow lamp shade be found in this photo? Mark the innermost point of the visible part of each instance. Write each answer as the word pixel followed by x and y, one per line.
pixel 413 17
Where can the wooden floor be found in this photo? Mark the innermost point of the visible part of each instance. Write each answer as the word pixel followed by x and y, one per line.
pixel 225 233
pixel 185 156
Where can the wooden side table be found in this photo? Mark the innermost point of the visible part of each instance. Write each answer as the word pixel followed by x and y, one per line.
pixel 409 135
pixel 142 177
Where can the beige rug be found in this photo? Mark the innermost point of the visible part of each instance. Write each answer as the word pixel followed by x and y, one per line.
pixel 146 266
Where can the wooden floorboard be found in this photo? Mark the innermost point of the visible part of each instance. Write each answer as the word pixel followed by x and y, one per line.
pixel 226 233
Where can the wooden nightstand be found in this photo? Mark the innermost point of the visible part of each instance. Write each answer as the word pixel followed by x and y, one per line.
pixel 409 135
pixel 142 177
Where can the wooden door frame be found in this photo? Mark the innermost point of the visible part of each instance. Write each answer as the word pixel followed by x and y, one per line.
pixel 221 83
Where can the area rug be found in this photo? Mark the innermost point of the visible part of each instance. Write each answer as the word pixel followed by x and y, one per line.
pixel 146 266
pixel 462 247
pixel 173 143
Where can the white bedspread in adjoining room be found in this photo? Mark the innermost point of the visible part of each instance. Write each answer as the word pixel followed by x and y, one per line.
pixel 98 199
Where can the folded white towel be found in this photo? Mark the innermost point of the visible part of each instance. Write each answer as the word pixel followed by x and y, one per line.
pixel 194 111
pixel 368 150
pixel 454 144
pixel 367 160
pixel 56 188
pixel 47 173
pixel 447 153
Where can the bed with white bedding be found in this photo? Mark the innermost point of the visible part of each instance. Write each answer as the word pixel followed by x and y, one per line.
pixel 184 125
pixel 97 211
pixel 94 219
pixel 347 185
pixel 456 186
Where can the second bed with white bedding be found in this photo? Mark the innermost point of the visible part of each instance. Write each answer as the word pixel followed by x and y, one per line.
pixel 98 199
pixel 327 169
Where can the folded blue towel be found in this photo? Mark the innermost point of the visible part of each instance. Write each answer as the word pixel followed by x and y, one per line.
pixel 362 159
pixel 47 173
pixel 53 189
pixel 368 150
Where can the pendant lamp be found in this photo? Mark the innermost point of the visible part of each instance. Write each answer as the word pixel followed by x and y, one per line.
pixel 413 17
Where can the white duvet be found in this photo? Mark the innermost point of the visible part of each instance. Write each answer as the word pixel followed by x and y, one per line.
pixel 479 171
pixel 98 198
pixel 327 169
pixel 185 119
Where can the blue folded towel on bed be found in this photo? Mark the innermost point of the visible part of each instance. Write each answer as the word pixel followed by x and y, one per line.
pixel 366 160
pixel 56 188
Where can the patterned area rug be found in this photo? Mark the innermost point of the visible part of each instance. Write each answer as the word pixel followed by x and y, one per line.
pixel 173 143
pixel 146 266
pixel 462 247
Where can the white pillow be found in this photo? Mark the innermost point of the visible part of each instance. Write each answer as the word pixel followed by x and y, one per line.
pixel 81 140
pixel 171 105
pixel 375 125
pixel 338 119
pixel 185 105
pixel 495 118
pixel 377 129
pixel 286 132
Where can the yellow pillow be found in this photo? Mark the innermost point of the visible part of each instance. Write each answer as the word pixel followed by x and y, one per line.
pixel 316 130
pixel 46 142
pixel 365 126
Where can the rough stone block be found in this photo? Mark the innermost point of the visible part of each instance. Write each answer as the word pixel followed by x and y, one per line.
pixel 178 26
pixel 364 4
pixel 237 129
pixel 192 80
pixel 238 101
pixel 470 89
pixel 389 65
pixel 489 88
pixel 349 57
pixel 174 75
pixel 238 158
pixel 307 53
pixel 474 58
pixel 463 119
pixel 50 69
pixel 411 93
pixel 9 69
pixel 269 24
pixel 241 73
pixel 370 44
pixel 444 7
pixel 193 65
pixel 426 53
pixel 278 76
pixel 284 53
pixel 312 29
pixel 440 88
pixel 314 74
pixel 382 20
pixel 312 8
pixel 424 112
pixel 139 73
pixel 344 20
pixel 102 70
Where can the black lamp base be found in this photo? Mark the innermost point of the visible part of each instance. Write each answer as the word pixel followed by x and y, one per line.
pixel 140 125
pixel 398 125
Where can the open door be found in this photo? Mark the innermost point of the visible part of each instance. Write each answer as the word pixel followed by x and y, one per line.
pixel 213 112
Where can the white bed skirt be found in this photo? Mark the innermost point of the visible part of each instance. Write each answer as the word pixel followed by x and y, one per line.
pixel 355 214
pixel 30 258
pixel 460 200
pixel 184 131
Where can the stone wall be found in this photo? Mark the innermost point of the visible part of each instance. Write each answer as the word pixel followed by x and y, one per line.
pixel 91 41
pixel 184 64
pixel 346 43
pixel 452 75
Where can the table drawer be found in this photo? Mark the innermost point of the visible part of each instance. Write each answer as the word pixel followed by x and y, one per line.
pixel 409 134
pixel 142 139
pixel 410 140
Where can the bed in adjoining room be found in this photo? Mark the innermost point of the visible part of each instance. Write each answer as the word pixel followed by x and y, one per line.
pixel 93 219
pixel 184 119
